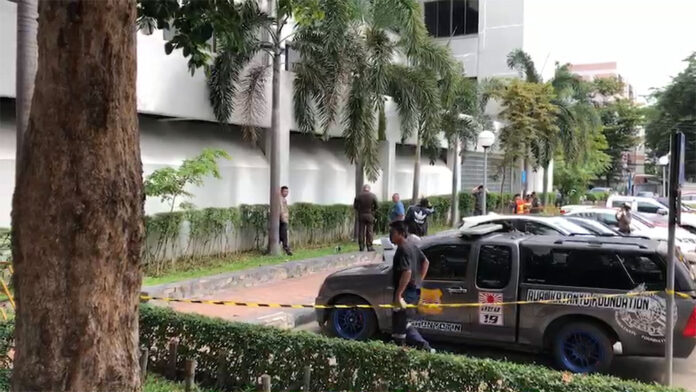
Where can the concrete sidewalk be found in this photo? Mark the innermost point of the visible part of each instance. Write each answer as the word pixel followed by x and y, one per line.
pixel 300 290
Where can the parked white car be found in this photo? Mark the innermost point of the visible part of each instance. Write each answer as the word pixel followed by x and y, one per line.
pixel 528 224
pixel 653 208
pixel 642 226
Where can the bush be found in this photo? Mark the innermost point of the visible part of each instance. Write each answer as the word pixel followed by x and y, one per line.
pixel 178 237
pixel 246 351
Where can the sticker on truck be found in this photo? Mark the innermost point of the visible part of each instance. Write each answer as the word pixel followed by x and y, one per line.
pixel 639 315
pixel 490 312
pixel 437 325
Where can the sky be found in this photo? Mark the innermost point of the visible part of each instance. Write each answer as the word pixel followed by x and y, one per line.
pixel 647 38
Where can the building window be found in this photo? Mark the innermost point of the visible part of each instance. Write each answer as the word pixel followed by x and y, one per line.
pixel 447 18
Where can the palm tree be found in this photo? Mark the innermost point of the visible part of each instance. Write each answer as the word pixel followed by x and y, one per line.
pixel 238 73
pixel 576 120
pixel 360 53
pixel 27 57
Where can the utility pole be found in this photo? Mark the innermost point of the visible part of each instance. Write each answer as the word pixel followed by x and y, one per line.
pixel 676 177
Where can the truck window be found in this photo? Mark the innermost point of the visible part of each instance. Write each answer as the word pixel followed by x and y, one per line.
pixel 575 268
pixel 643 269
pixel 647 208
pixel 494 267
pixel 447 262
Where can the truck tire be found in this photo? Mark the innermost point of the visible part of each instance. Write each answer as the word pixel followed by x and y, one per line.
pixel 352 323
pixel 582 347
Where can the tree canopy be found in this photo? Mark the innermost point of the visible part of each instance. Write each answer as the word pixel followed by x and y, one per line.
pixel 675 109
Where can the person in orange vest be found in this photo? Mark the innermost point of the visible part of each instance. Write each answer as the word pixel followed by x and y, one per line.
pixel 519 204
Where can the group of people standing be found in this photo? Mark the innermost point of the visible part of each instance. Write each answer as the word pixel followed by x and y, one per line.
pixel 365 205
pixel 518 205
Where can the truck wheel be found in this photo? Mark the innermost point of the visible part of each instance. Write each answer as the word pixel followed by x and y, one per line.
pixel 582 347
pixel 352 323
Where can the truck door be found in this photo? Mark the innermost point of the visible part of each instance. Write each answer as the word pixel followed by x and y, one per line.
pixel 495 281
pixel 446 282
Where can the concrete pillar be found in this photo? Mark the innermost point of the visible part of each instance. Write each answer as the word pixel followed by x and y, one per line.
pixel 387 159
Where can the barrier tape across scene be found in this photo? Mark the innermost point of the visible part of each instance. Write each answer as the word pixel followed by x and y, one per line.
pixel 145 297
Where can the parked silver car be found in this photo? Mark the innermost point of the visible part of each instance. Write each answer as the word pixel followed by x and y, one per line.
pixel 582 332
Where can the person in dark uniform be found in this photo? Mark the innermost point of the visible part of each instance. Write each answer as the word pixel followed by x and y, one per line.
pixel 417 218
pixel 365 205
pixel 410 266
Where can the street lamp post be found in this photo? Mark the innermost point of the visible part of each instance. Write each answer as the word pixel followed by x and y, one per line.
pixel 664 161
pixel 485 140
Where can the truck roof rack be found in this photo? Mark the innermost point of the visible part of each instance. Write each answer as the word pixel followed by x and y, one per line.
pixel 596 242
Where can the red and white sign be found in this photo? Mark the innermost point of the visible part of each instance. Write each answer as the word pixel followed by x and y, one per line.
pixel 490 311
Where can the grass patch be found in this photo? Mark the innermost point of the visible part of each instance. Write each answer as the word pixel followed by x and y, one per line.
pixel 212 266
pixel 156 383
pixel 200 267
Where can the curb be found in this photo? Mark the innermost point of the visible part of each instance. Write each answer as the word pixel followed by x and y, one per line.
pixel 209 285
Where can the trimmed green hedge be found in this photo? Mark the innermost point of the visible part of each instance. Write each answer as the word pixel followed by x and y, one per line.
pixel 341 365
pixel 191 234
pixel 248 351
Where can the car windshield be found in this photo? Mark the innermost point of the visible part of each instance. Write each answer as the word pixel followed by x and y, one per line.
pixel 593 226
pixel 568 226
pixel 643 220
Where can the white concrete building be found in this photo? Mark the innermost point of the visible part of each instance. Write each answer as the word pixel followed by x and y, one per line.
pixel 176 121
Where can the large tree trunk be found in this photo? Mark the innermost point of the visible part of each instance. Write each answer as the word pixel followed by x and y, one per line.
pixel 27 54
pixel 78 205
pixel 454 203
pixel 416 171
pixel 274 197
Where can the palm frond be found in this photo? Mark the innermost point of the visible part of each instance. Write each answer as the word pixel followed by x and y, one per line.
pixel 251 95
pixel 521 62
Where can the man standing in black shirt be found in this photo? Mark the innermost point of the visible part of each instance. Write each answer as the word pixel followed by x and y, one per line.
pixel 409 269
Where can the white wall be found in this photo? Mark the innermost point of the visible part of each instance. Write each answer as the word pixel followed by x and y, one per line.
pixel 8 48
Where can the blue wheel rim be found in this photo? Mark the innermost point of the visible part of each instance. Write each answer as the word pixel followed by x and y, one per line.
pixel 581 352
pixel 349 323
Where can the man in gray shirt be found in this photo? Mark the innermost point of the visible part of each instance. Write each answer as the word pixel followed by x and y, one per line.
pixel 410 266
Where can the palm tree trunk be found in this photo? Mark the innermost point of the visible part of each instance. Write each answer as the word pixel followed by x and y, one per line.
pixel 76 249
pixel 416 171
pixel 525 185
pixel 545 188
pixel 454 203
pixel 27 54
pixel 359 182
pixel 274 196
pixel 502 187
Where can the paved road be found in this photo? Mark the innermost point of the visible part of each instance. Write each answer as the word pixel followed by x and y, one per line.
pixel 643 369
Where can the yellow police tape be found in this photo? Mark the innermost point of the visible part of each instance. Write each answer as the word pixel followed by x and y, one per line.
pixel 394 306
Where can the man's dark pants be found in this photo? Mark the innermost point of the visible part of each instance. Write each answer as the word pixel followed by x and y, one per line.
pixel 284 235
pixel 365 224
pixel 402 331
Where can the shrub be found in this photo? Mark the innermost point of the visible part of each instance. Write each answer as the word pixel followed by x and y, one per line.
pixel 246 351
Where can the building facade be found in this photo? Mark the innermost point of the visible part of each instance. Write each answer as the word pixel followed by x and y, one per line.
pixel 177 122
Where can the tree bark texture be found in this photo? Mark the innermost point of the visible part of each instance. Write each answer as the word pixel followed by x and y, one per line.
pixel 78 205
pixel 416 171
pixel 274 218
pixel 27 55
